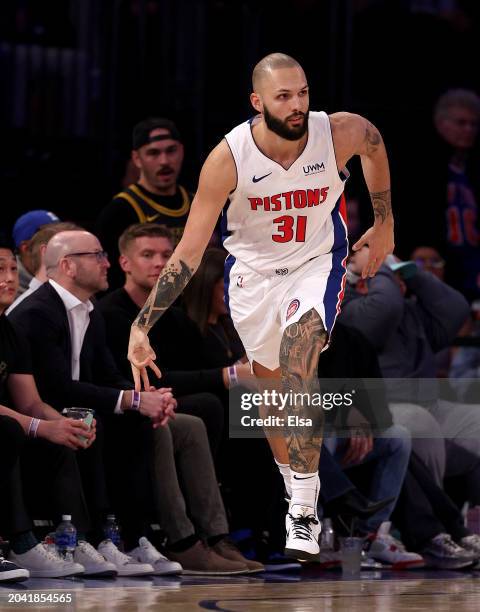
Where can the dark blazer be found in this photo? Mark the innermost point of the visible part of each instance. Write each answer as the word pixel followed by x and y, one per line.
pixel 176 340
pixel 42 318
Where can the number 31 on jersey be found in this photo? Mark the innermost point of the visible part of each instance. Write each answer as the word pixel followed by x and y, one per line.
pixel 290 228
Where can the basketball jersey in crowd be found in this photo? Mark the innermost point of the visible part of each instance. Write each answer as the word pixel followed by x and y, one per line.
pixel 278 219
pixel 152 208
pixel 463 234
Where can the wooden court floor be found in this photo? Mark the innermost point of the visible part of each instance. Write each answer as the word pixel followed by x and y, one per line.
pixel 373 592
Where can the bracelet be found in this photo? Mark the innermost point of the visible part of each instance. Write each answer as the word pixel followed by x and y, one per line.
pixel 232 376
pixel 32 428
pixel 135 405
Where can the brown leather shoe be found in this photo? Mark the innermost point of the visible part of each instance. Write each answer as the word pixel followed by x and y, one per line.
pixel 226 549
pixel 202 560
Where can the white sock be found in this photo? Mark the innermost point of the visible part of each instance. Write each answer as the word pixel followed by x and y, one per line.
pixel 305 489
pixel 284 469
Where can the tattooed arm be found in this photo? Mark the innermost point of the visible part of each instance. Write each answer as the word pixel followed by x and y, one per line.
pixel 355 135
pixel 217 179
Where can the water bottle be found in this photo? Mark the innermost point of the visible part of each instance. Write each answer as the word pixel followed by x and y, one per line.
pixel 66 538
pixel 328 535
pixel 111 530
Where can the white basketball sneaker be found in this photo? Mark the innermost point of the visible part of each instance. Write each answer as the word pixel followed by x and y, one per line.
pixel 147 553
pixel 43 563
pixel 303 532
pixel 125 565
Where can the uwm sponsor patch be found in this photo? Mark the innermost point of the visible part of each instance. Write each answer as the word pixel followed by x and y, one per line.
pixel 313 168
pixel 292 308
pixel 300 198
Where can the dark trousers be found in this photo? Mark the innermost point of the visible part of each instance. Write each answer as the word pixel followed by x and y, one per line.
pixel 92 471
pixel 187 496
pixel 128 457
pixel 43 482
pixel 424 509
pixel 12 439
pixel 333 480
pixel 210 409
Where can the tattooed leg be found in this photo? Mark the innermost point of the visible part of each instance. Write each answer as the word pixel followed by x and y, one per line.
pixel 301 345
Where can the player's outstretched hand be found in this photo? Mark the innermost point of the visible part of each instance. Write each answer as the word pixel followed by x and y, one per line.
pixel 379 239
pixel 141 356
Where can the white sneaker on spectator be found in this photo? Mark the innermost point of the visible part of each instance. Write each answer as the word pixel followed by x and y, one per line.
pixel 303 531
pixel 9 572
pixel 93 562
pixel 385 548
pixel 125 565
pixel 146 552
pixel 43 563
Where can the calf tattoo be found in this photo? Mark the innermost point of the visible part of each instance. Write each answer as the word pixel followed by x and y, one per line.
pixel 169 286
pixel 300 348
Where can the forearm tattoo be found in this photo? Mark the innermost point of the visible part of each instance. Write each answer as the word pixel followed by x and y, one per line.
pixel 169 286
pixel 382 205
pixel 300 349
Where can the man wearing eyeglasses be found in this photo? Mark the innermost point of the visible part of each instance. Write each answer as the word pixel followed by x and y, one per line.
pixel 74 367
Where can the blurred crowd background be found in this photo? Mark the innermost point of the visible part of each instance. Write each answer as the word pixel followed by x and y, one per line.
pixel 77 75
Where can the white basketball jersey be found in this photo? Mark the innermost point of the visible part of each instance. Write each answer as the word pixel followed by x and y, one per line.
pixel 278 219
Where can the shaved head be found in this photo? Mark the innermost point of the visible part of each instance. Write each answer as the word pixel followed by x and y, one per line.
pixel 65 243
pixel 268 64
pixel 76 261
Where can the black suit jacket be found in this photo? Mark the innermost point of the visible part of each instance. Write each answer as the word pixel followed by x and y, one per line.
pixel 42 318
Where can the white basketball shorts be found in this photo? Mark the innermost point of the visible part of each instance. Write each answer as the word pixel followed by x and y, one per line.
pixel 263 306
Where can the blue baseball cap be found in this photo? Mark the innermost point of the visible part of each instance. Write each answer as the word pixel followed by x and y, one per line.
pixel 29 223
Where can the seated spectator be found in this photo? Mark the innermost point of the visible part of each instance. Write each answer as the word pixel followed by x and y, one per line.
pixel 431 523
pixel 366 435
pixel 76 368
pixel 204 302
pixel 178 345
pixel 36 254
pixel 157 152
pixel 407 329
pixel 23 230
pixel 38 447
pixel 464 370
pixel 429 259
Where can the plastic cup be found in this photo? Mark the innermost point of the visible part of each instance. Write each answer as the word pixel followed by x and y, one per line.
pixel 351 555
pixel 80 414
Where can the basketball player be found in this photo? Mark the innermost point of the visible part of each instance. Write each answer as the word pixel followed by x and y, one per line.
pixel 283 173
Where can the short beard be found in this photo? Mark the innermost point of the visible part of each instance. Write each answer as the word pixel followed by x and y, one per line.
pixel 280 128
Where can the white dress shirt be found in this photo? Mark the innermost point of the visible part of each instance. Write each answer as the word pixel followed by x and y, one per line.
pixel 78 314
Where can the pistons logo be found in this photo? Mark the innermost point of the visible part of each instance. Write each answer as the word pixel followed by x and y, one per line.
pixel 240 281
pixel 292 308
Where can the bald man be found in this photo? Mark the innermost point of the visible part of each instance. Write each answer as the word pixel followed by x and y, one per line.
pixel 74 367
pixel 283 174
